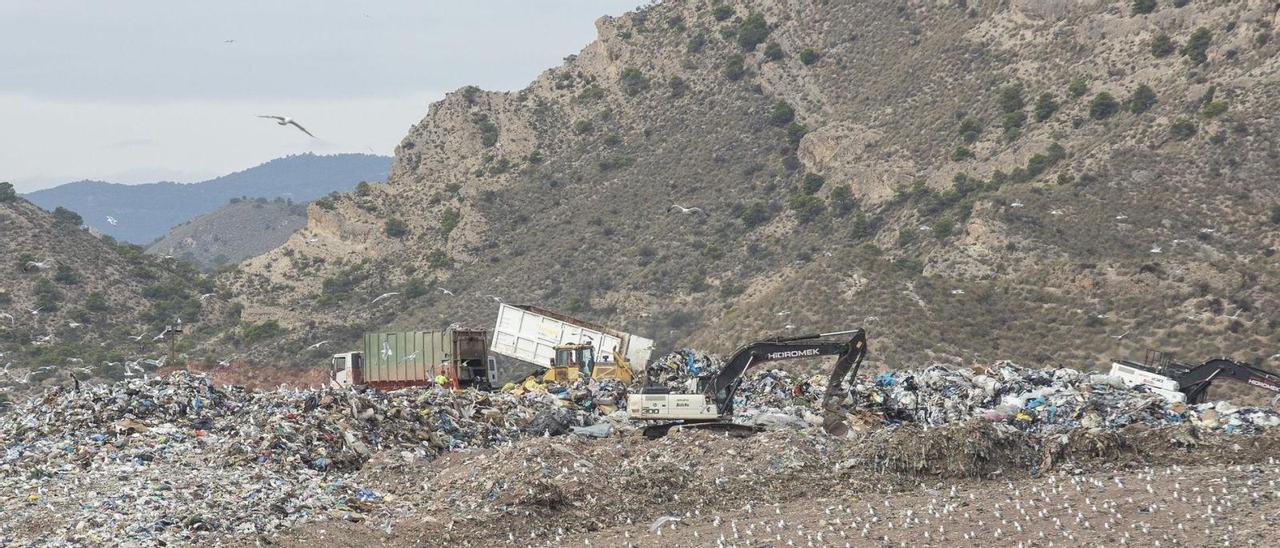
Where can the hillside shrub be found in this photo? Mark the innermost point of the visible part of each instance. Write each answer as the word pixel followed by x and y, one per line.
pixel 395 228
pixel 1103 106
pixel 583 127
pixel 752 31
pixel 734 69
pixel 632 81
pixel 253 333
pixel 841 201
pixel 808 56
pixel 678 86
pixel 47 296
pixel 773 51
pixel 96 302
pixel 1045 107
pixel 812 183
pixel 970 129
pixel 326 203
pixel 1182 129
pixel 1143 7
pixel 1078 88
pixel 1010 98
pixel 414 288
pixel 807 207
pixel 438 259
pixel 65 275
pixel 1142 99
pixel 66 217
pixel 488 131
pixel 7 194
pixel 696 43
pixel 449 220
pixel 782 114
pixel 1275 214
pixel 1162 45
pixel 470 93
pixel 590 94
pixel 1197 47
pixel 755 215
pixel 1180 3
pixel 961 154
pixel 615 162
pixel 722 12
pixel 1214 108
pixel 795 132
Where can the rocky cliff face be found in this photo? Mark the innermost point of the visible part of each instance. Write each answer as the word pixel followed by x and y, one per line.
pixel 952 176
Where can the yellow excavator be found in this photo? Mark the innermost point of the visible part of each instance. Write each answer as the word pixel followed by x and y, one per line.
pixel 574 361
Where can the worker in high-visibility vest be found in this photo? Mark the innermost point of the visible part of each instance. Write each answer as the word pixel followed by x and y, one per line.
pixel 441 380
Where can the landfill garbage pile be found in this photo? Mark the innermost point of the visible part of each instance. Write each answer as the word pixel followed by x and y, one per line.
pixel 166 458
pixel 1035 400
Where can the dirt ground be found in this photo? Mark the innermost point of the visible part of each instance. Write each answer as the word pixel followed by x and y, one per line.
pixel 786 489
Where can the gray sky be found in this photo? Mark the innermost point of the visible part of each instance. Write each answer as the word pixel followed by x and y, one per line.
pixel 136 91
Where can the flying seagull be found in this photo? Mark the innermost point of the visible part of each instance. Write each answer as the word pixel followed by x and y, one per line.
pixel 317 345
pixel 40 265
pixel 207 295
pixel 384 296
pixel 36 311
pixel 287 121
pixel 445 291
pixel 495 298
pixel 685 210
pixel 112 221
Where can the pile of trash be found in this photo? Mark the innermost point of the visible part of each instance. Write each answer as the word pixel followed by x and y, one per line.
pixel 1033 400
pixel 174 458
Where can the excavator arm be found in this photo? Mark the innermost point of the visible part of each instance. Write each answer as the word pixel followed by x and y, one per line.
pixel 1195 381
pixel 851 351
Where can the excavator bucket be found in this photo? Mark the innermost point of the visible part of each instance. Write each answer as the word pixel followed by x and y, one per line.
pixel 834 419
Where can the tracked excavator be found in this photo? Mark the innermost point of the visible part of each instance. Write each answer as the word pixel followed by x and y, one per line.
pixel 708 402
pixel 1190 383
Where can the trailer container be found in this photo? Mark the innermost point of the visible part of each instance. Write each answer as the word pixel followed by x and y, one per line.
pixel 530 334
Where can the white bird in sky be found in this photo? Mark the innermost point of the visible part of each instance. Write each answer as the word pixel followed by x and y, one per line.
pixel 35 311
pixel 957 292
pixel 112 221
pixel 160 336
pixel 384 296
pixel 74 325
pixel 1121 336
pixel 1017 204
pixel 685 210
pixel 287 121
pixel 1156 249
pixel 138 338
pixel 207 295
pixel 495 298
pixel 1056 212
pixel 445 291
pixel 40 265
pixel 1121 217
pixel 317 345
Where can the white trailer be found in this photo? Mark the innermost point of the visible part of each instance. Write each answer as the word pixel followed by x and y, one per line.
pixel 530 334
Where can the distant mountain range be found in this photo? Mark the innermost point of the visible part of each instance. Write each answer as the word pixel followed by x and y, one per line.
pixel 143 213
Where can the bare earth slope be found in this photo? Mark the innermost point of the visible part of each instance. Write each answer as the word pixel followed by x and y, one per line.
pixel 891 165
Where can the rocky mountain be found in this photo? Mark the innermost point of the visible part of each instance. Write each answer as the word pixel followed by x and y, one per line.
pixel 243 228
pixel 1047 181
pixel 72 302
pixel 142 213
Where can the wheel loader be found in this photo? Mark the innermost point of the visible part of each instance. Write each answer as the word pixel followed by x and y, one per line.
pixel 573 361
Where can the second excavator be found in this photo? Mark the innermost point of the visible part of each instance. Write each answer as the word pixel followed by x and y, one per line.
pixel 709 400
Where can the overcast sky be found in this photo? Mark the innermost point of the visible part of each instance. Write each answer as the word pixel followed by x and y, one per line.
pixel 137 91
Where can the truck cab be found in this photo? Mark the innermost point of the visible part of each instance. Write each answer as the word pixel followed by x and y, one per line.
pixel 345 368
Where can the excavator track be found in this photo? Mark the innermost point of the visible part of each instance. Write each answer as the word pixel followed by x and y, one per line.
pixel 734 430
